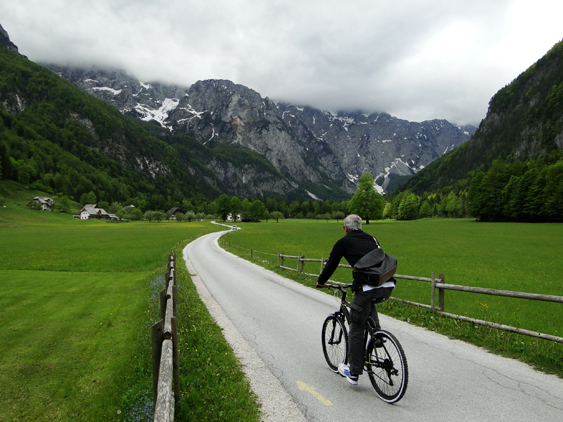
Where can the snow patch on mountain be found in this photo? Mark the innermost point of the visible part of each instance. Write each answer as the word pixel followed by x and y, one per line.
pixel 316 198
pixel 105 88
pixel 160 115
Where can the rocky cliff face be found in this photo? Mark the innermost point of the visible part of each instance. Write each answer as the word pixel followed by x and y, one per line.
pixel 147 101
pixel 221 111
pixel 355 143
pixel 309 144
pixel 5 41
pixel 305 145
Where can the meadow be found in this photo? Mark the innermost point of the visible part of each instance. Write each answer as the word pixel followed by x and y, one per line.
pixel 79 297
pixel 507 256
pixel 76 305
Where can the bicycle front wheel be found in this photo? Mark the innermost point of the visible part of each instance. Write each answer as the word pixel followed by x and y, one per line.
pixel 335 342
pixel 386 366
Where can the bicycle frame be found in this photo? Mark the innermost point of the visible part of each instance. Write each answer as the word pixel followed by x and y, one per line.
pixel 344 304
pixel 344 312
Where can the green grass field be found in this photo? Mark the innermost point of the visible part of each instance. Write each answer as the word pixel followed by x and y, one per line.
pixel 76 305
pixel 506 256
pixel 79 297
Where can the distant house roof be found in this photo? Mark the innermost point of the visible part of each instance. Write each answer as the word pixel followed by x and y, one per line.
pixel 175 210
pixel 94 212
pixel 89 208
pixel 44 200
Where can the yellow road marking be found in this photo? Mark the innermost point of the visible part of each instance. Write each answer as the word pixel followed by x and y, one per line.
pixel 304 387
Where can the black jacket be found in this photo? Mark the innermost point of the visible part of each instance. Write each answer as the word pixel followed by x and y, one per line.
pixel 352 247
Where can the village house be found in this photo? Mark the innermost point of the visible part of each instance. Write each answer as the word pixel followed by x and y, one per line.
pixel 42 203
pixel 230 218
pixel 173 211
pixel 90 211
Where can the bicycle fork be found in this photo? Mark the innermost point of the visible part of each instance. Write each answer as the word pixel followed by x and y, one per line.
pixel 332 334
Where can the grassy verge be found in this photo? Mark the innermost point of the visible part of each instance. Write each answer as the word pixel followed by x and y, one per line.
pixel 213 386
pixel 520 257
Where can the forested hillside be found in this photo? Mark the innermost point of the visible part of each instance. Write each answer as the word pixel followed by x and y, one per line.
pixel 510 170
pixel 55 136
pixel 63 141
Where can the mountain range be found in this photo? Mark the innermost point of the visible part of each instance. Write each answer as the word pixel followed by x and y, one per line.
pixel 319 152
pixel 219 137
pixel 75 131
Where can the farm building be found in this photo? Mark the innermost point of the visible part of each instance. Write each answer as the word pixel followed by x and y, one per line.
pixel 230 218
pixel 90 211
pixel 173 211
pixel 42 203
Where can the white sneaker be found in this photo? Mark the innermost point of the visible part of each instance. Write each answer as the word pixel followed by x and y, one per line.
pixel 344 370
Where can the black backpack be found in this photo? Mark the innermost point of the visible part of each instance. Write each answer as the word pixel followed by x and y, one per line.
pixel 376 267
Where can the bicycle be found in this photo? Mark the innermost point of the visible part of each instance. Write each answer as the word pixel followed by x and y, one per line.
pixel 385 360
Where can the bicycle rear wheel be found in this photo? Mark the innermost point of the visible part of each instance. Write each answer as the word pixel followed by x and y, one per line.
pixel 386 366
pixel 335 341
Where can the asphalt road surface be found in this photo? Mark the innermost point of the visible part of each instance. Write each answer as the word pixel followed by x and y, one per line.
pixel 274 325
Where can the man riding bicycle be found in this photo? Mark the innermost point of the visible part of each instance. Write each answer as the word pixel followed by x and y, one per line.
pixel 353 246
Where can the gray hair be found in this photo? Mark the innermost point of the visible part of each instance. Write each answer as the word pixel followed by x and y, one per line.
pixel 353 222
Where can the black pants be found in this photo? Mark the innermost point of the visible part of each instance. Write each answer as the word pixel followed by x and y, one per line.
pixel 362 307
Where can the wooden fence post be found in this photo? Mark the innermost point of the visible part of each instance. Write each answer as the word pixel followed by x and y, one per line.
pixel 163 304
pixel 433 293
pixel 441 293
pixel 156 346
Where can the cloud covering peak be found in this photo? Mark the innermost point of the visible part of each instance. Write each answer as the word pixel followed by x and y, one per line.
pixel 417 60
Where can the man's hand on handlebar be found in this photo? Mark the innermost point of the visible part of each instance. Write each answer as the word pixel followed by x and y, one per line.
pixel 322 286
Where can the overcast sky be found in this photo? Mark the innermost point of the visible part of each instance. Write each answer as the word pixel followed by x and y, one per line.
pixel 415 59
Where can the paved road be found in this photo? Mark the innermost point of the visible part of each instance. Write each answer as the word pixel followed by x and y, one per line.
pixel 279 323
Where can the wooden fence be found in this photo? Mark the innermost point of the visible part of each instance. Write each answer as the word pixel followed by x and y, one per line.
pixel 437 304
pixel 164 339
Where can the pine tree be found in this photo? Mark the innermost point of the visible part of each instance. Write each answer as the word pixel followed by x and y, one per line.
pixel 408 210
pixel 520 197
pixel 425 210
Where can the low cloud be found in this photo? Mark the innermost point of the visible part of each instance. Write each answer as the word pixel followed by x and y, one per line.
pixel 416 60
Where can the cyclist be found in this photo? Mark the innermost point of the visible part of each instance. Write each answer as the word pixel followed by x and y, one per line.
pixel 354 245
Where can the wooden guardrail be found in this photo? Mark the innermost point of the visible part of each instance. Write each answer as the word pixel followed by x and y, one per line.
pixel 164 343
pixel 439 285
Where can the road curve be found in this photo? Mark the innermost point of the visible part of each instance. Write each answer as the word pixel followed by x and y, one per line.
pixel 274 325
